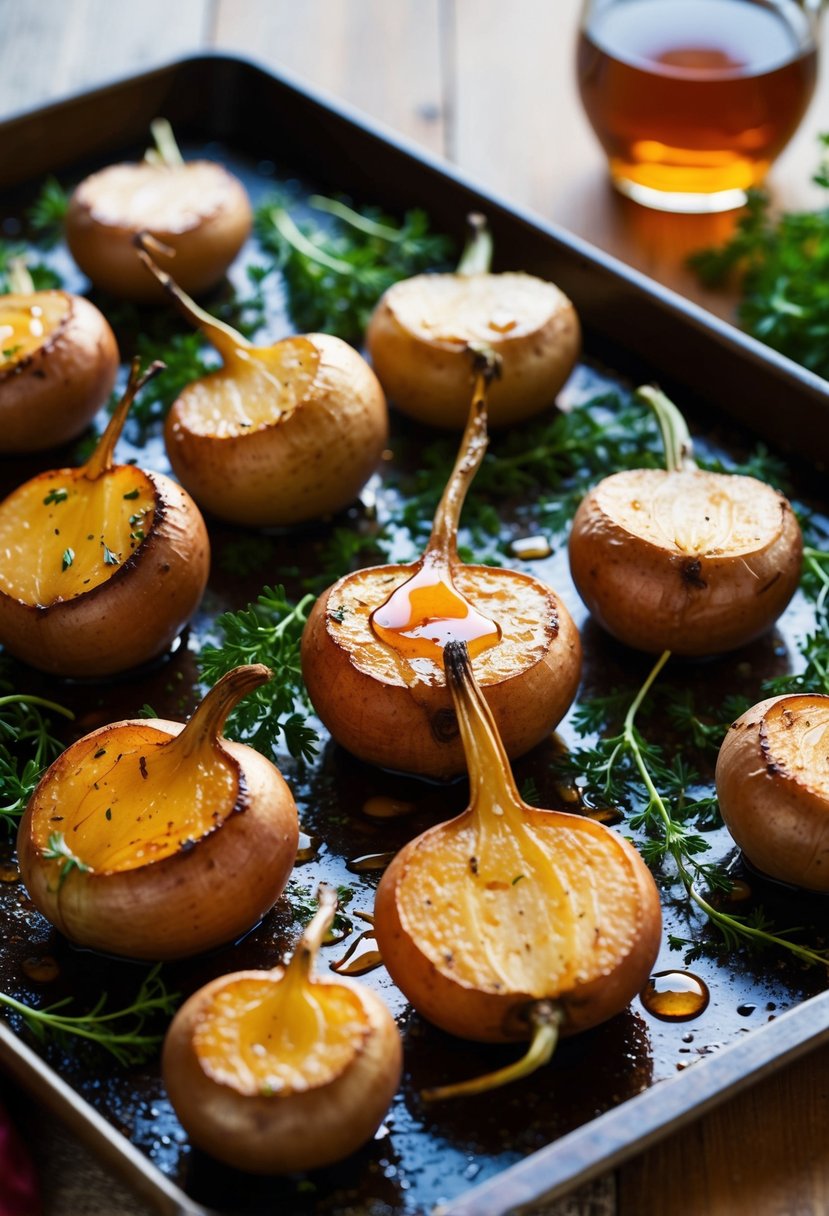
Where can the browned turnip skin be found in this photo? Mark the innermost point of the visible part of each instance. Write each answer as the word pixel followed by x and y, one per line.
pixel 653 597
pixel 132 617
pixel 431 379
pixel 489 1016
pixel 412 728
pixel 773 788
pixel 206 238
pixel 52 396
pixel 195 899
pixel 278 1135
pixel 311 463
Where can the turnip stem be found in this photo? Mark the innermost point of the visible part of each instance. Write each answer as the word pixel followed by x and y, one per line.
pixel 19 278
pixel 166 150
pixel 477 252
pixel 103 456
pixel 546 1018
pixel 444 537
pixel 676 439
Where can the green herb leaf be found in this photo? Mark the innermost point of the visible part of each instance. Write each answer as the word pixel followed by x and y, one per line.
pixel 47 214
pixel 267 631
pixel 27 745
pixel 335 271
pixel 783 268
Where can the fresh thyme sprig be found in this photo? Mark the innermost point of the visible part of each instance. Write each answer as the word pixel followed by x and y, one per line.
pixel 122 1032
pixel 335 272
pixel 267 631
pixel 626 767
pixel 27 745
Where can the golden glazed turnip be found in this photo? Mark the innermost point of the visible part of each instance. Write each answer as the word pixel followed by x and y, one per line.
pixel 156 840
pixel 419 333
pixel 199 211
pixel 280 434
pixel 284 1070
pixel 58 363
pixel 510 922
pixel 773 787
pixel 102 566
pixel 682 559
pixel 372 649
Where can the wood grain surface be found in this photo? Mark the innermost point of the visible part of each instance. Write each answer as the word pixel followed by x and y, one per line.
pixel 491 87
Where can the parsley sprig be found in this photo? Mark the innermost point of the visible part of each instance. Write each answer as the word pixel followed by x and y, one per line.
pixel 267 631
pixel 122 1032
pixel 27 745
pixel 783 264
pixel 629 769
pixel 335 271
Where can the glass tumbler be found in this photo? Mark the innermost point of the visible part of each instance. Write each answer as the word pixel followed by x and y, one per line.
pixel 692 100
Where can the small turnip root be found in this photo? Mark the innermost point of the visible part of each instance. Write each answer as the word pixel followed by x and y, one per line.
pixel 102 566
pixel 58 363
pixel 284 1070
pixel 280 434
pixel 156 840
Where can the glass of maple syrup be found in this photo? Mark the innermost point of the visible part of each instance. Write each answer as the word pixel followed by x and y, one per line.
pixel 693 99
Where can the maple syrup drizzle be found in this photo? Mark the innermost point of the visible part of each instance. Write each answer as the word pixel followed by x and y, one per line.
pixel 427 611
pixel 675 996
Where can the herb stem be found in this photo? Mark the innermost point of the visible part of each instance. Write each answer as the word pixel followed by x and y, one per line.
pixel 287 229
pixel 128 1042
pixel 354 219
pixel 730 926
pixel 41 702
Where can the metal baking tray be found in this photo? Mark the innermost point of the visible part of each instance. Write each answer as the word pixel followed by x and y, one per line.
pixel 608 1093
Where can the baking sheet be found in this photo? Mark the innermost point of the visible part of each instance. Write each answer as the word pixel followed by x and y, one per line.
pixel 422 1156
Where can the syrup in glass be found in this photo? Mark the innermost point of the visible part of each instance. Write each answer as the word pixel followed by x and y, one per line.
pixel 692 100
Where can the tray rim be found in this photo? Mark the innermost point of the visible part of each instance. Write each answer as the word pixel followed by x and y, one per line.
pixel 609 1139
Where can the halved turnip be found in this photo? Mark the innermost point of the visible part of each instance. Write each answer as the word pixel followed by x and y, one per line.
pixel 154 839
pixel 101 566
pixel 372 649
pixel 510 922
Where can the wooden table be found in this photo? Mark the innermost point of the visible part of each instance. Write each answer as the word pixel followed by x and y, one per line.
pixel 490 86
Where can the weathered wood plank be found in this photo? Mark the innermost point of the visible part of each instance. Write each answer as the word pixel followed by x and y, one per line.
pixel 51 49
pixel 382 58
pixel 762 1154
